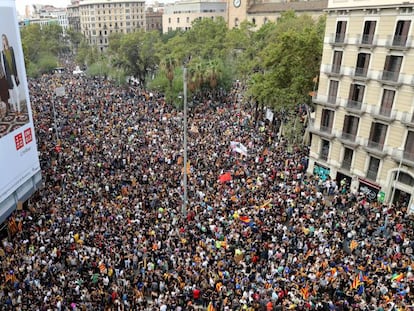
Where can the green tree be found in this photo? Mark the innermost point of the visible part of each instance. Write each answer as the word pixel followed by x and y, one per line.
pixel 137 54
pixel 75 38
pixel 288 62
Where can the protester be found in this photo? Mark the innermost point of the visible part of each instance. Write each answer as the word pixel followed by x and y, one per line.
pixel 108 230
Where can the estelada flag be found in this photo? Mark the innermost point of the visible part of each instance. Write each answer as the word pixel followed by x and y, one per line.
pixel 353 245
pixel 102 268
pixel 356 282
pixel 305 292
pixel 225 177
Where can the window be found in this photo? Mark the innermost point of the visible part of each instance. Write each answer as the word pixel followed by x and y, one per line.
pixel 387 101
pixel 337 60
pixel 373 168
pixel 169 20
pixel 369 30
pixel 401 33
pixel 333 91
pixel 406 179
pixel 356 95
pixel 254 21
pixel 236 22
pixel 327 120
pixel 392 67
pixel 362 64
pixel 178 20
pixel 324 150
pixel 340 32
pixel 350 128
pixel 409 147
pixel 188 19
pixel 377 135
pixel 265 20
pixel 347 160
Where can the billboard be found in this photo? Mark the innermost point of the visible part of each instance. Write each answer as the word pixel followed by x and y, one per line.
pixel 19 160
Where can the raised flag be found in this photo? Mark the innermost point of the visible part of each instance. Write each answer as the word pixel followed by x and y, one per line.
pixel 225 177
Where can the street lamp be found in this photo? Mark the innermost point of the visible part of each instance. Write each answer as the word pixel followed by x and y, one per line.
pixel 184 206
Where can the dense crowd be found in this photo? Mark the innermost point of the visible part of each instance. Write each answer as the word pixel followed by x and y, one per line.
pixel 108 230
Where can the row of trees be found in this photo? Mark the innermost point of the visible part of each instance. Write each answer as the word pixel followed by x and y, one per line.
pixel 278 61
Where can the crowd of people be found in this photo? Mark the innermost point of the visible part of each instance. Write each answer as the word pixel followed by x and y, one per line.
pixel 109 230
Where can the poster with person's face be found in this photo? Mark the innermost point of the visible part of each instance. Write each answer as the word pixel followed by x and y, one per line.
pixel 18 151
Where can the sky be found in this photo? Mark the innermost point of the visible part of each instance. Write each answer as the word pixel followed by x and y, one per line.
pixel 21 4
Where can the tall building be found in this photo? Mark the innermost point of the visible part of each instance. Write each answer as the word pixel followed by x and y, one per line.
pixel 180 15
pixel 153 18
pixel 363 127
pixel 100 18
pixel 259 12
pixel 73 15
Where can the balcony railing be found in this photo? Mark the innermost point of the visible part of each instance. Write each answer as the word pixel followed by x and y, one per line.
pixel 333 69
pixel 354 104
pixel 337 38
pixel 366 39
pixel 346 164
pixel 326 129
pixel 398 42
pixel 408 156
pixel 375 145
pixel 336 69
pixel 361 72
pixel 324 155
pixel 372 174
pixel 330 101
pixel 348 136
pixel 384 113
pixel 408 119
pixel 390 76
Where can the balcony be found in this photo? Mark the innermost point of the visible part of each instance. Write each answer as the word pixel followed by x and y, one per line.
pixel 408 119
pixel 375 148
pixel 348 139
pixel 346 164
pixel 366 40
pixel 398 42
pixel 372 175
pixel 407 157
pixel 323 131
pixel 333 70
pixel 355 106
pixel 390 77
pixel 324 154
pixel 338 39
pixel 383 114
pixel 361 74
pixel 326 101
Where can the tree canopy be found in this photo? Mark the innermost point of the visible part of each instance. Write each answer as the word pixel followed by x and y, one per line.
pixel 278 62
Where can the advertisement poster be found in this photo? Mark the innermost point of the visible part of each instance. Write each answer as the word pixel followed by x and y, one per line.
pixel 18 151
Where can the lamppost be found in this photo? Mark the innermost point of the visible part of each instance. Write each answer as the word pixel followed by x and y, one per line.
pixel 184 206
